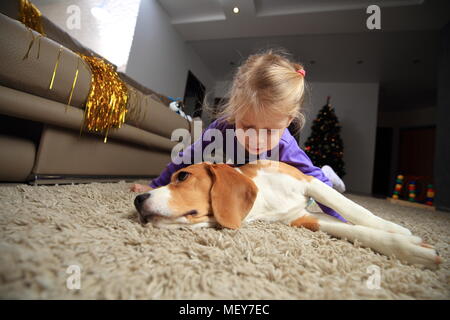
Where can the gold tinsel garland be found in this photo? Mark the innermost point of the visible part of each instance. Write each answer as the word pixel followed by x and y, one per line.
pixel 30 16
pixel 106 105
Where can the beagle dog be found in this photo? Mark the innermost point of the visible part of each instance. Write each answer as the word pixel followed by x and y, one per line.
pixel 207 195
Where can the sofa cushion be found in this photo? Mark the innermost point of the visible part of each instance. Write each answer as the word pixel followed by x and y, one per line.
pixel 63 152
pixel 27 106
pixel 147 113
pixel 16 158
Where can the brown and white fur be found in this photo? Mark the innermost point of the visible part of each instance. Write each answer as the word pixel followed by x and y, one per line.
pixel 207 195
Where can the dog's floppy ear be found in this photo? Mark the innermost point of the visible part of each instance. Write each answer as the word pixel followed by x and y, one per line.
pixel 232 195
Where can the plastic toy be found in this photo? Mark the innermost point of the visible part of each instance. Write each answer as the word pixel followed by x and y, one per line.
pixel 398 186
pixel 430 195
pixel 412 191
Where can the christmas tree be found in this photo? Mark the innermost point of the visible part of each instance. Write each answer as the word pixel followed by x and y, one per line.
pixel 324 146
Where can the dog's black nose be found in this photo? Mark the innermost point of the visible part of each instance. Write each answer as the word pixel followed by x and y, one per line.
pixel 140 199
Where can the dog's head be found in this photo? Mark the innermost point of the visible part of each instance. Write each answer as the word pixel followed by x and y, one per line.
pixel 199 193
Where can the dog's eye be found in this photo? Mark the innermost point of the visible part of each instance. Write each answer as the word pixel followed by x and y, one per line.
pixel 182 176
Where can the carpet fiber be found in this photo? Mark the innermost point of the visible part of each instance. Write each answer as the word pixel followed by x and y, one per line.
pixel 46 229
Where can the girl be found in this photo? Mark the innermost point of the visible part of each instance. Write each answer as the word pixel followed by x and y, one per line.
pixel 267 93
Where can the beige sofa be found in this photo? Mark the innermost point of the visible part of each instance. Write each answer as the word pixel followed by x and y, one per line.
pixel 40 138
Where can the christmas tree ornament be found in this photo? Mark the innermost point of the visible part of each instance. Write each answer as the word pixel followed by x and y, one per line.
pixel 107 100
pixel 30 16
pixel 55 68
pixel 73 84
pixel 33 38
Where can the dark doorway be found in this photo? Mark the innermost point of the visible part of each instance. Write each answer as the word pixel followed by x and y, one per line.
pixel 416 151
pixel 416 160
pixel 193 96
pixel 382 165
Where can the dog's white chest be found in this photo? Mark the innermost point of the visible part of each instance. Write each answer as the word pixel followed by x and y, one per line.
pixel 281 197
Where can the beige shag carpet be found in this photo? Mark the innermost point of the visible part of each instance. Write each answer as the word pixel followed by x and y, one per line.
pixel 46 229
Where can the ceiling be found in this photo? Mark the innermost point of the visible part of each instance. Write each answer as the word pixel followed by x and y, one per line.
pixel 329 36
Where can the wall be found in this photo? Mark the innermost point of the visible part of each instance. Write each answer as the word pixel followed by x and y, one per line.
pixel 442 157
pixel 109 33
pixel 411 118
pixel 159 58
pixel 356 106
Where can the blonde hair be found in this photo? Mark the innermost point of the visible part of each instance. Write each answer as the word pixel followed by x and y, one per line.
pixel 266 83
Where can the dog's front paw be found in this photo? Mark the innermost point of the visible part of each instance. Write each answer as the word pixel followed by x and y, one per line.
pixel 421 254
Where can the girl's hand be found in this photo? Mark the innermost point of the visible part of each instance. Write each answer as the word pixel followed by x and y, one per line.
pixel 140 188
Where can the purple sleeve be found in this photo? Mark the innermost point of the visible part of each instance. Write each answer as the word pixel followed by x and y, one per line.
pixel 291 154
pixel 197 146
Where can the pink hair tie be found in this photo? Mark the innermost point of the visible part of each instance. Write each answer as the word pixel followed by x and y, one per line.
pixel 302 72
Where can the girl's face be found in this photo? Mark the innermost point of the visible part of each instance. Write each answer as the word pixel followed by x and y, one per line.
pixel 260 133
